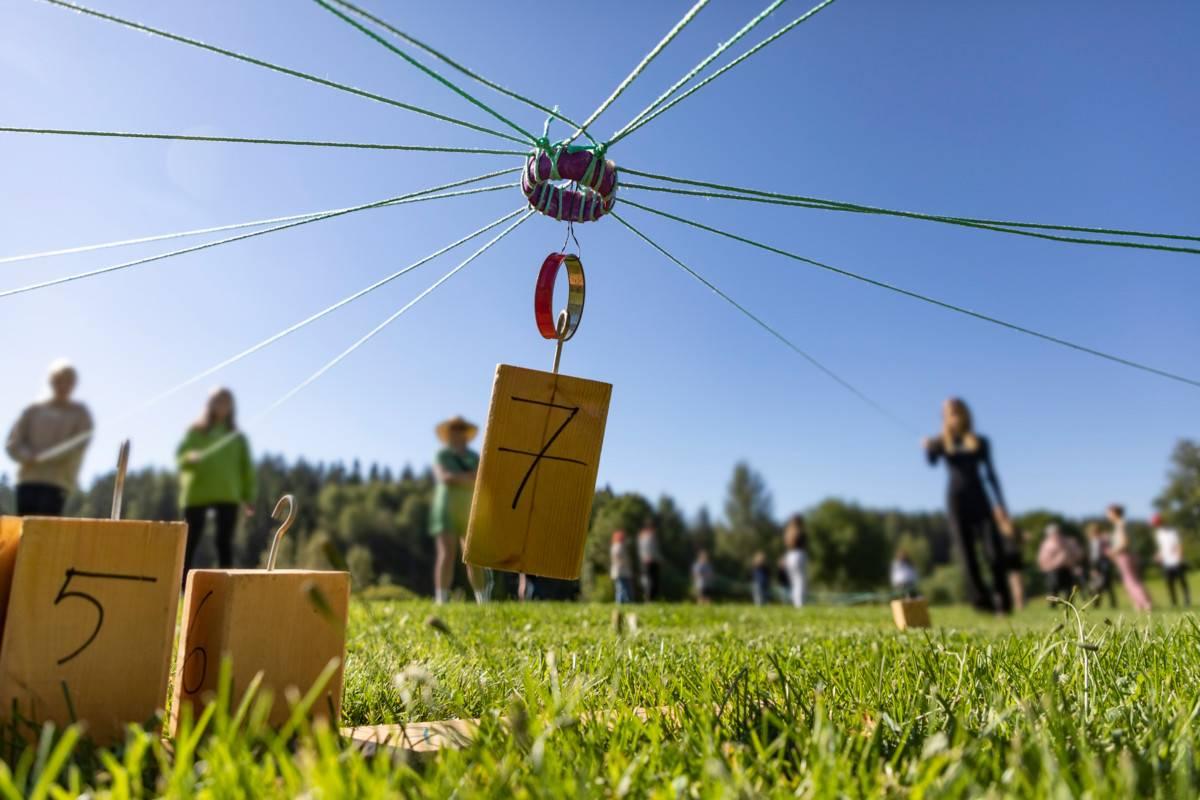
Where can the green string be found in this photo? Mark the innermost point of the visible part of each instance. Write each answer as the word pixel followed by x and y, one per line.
pixel 284 70
pixel 431 73
pixel 415 42
pixel 757 320
pixel 924 298
pixel 696 70
pixel 629 79
pixel 248 140
pixel 962 221
pixel 779 33
pixel 330 215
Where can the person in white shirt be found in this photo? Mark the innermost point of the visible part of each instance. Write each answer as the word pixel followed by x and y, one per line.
pixel 903 575
pixel 795 558
pixel 1170 558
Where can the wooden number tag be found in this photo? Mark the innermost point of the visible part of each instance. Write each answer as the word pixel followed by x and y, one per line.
pixel 91 612
pixel 537 473
pixel 287 624
pixel 912 613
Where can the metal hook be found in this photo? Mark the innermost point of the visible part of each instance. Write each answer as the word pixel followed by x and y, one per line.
pixel 119 485
pixel 561 329
pixel 283 528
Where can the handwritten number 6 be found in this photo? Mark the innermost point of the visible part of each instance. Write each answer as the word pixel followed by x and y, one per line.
pixel 63 594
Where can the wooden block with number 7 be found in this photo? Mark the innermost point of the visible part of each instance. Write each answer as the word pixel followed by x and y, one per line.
pixel 537 472
pixel 91 612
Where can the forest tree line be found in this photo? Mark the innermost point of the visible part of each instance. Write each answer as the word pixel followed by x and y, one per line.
pixel 374 522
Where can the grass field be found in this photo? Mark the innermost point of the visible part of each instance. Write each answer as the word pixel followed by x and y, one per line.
pixel 738 701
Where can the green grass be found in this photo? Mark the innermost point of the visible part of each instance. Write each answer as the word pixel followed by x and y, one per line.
pixel 819 702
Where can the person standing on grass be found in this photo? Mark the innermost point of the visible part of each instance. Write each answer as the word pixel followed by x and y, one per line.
pixel 620 569
pixel 1100 580
pixel 649 557
pixel 454 469
pixel 795 558
pixel 1170 558
pixel 1124 559
pixel 1058 559
pixel 903 575
pixel 703 578
pixel 1014 565
pixel 216 475
pixel 760 579
pixel 976 521
pixel 48 441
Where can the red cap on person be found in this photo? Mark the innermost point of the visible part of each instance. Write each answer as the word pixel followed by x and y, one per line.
pixel 1156 520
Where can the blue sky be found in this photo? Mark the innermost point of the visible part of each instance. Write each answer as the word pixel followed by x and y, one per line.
pixel 1071 112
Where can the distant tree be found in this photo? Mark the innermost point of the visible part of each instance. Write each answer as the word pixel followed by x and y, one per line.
pixel 704 535
pixel 748 526
pixel 848 548
pixel 1179 502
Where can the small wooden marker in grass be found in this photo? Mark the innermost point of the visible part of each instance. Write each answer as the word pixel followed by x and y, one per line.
pixel 89 608
pixel 912 613
pixel 537 473
pixel 287 624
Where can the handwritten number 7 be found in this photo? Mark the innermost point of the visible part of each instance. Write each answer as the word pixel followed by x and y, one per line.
pixel 63 594
pixel 541 454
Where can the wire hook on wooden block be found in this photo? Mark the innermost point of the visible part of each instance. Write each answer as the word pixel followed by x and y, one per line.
pixel 286 522
pixel 119 484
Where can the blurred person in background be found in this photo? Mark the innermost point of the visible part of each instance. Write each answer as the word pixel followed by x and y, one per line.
pixel 1014 565
pixel 795 558
pixel 703 577
pixel 649 558
pixel 454 469
pixel 760 579
pixel 1059 558
pixel 48 441
pixel 1122 556
pixel 1100 566
pixel 903 575
pixel 1170 558
pixel 620 568
pixel 216 476
pixel 976 521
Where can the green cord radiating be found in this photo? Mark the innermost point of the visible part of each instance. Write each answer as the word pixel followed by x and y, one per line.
pixel 421 148
pixel 696 70
pixel 773 37
pixel 283 70
pixel 1000 226
pixel 445 59
pixel 758 321
pixel 629 79
pixel 924 298
pixel 341 212
pixel 431 73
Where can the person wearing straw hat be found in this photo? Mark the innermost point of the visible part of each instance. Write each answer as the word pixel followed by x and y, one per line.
pixel 48 442
pixel 454 470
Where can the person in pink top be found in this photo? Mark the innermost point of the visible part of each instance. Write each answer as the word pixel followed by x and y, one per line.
pixel 1123 557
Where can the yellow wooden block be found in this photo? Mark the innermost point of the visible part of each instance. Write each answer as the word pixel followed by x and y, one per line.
pixel 537 473
pixel 10 537
pixel 911 613
pixel 288 624
pixel 91 612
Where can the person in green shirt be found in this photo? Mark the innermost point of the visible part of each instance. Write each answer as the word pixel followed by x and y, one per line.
pixel 215 473
pixel 454 470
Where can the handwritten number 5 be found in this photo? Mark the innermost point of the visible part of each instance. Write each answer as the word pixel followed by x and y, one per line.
pixel 63 594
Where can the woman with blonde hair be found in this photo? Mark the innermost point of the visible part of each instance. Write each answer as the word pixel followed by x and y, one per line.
pixel 795 558
pixel 216 475
pixel 976 521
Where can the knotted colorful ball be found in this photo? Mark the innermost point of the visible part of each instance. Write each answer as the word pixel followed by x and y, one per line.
pixel 595 176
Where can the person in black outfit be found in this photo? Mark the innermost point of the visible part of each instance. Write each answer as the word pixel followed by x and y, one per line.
pixel 974 524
